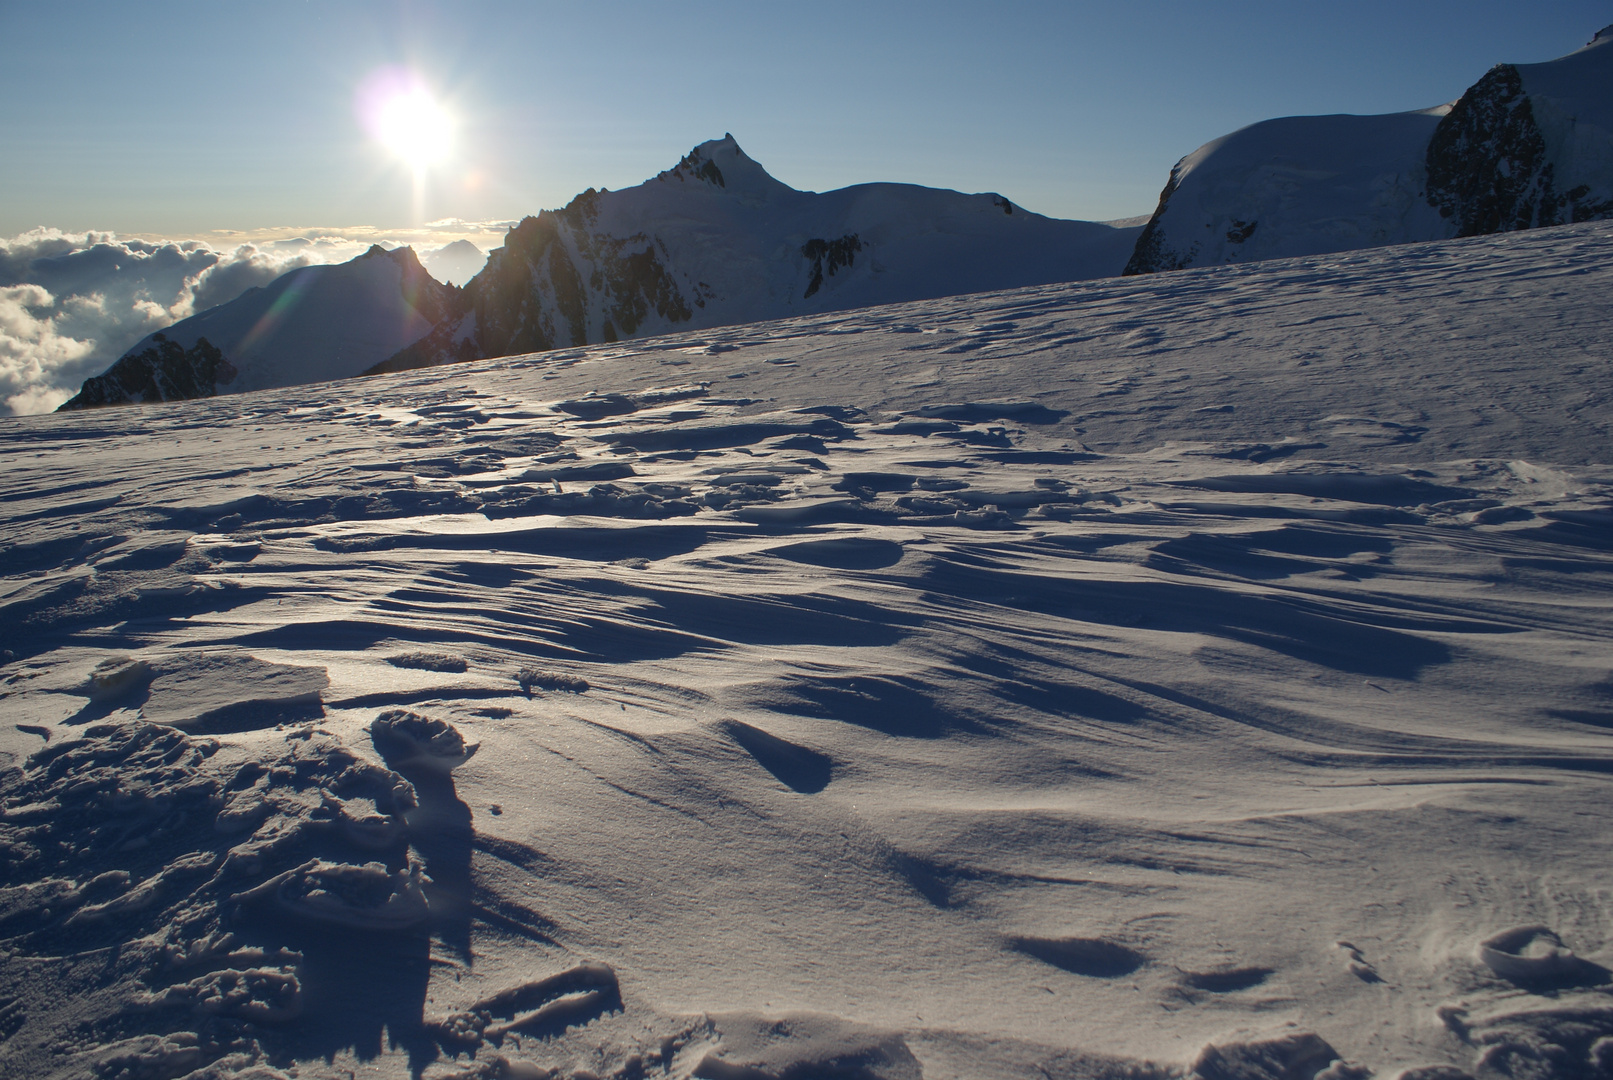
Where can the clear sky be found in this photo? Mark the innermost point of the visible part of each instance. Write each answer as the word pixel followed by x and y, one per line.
pixel 180 118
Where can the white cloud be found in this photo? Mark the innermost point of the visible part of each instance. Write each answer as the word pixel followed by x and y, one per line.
pixel 34 355
pixel 72 303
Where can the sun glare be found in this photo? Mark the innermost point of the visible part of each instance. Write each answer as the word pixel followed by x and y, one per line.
pixel 415 128
pixel 401 113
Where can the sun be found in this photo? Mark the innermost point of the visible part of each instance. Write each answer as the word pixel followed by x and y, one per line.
pixel 402 114
pixel 415 127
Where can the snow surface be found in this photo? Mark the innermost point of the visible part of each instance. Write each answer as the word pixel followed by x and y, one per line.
pixel 1572 101
pixel 1203 672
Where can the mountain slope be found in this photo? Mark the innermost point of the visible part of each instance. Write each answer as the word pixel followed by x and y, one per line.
pixel 313 324
pixel 1525 146
pixel 717 241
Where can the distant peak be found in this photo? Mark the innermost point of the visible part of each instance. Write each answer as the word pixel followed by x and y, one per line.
pixel 1605 33
pixel 404 256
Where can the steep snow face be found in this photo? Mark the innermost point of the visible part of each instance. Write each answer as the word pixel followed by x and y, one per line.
pixel 1525 146
pixel 313 324
pixel 1293 186
pixel 716 241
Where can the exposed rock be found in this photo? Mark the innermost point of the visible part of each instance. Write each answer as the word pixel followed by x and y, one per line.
pixel 1490 168
pixel 829 255
pixel 165 371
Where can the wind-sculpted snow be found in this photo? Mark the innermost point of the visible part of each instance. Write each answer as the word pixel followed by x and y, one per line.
pixel 1198 675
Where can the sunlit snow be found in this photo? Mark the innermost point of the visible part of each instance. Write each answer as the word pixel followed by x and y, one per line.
pixel 1199 672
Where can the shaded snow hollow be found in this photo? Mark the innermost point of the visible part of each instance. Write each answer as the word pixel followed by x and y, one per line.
pixel 1203 673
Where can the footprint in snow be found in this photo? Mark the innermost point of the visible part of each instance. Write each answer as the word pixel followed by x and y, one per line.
pixel 1093 957
pixel 1225 980
pixel 1535 957
pixel 1355 961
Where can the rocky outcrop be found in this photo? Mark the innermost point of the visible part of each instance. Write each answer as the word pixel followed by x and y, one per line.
pixel 1152 255
pixel 556 282
pixel 1490 168
pixel 165 371
pixel 830 256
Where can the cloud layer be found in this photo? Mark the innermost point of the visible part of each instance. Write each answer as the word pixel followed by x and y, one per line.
pixel 72 303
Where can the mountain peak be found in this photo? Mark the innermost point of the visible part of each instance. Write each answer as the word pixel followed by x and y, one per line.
pixel 404 256
pixel 721 164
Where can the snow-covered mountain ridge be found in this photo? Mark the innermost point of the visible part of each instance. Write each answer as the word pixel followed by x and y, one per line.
pixel 1526 146
pixel 713 241
pixel 717 241
pixel 312 324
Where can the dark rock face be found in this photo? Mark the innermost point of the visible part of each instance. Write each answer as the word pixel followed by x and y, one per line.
pixel 1151 255
pixel 828 256
pixel 1488 167
pixel 700 168
pixel 536 292
pixel 164 372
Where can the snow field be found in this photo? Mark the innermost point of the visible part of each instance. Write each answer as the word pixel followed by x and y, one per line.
pixel 1203 673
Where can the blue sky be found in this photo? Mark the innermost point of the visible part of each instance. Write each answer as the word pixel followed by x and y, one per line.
pixel 181 118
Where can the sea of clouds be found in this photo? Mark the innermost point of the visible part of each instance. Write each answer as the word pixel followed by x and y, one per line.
pixel 72 303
